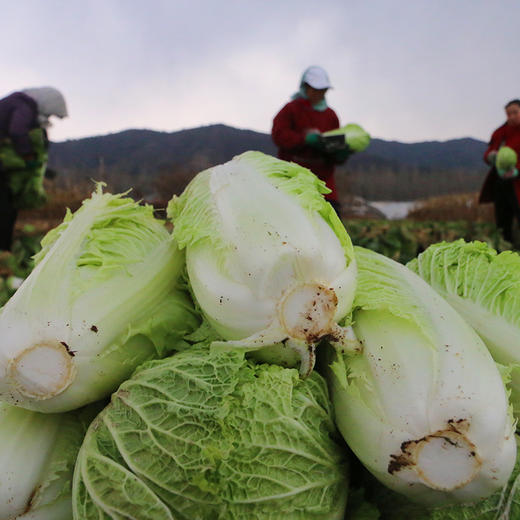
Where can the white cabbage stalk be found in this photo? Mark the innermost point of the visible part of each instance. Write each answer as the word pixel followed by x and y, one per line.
pixel 484 287
pixel 504 504
pixel 37 456
pixel 268 259
pixel 102 299
pixel 423 406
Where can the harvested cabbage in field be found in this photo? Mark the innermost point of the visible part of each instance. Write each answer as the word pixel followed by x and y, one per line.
pixel 205 435
pixel 37 456
pixel 103 297
pixel 423 406
pixel 356 138
pixel 506 158
pixel 268 259
pixel 484 287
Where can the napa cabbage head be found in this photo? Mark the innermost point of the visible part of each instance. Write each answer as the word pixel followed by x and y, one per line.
pixel 422 405
pixel 484 287
pixel 105 295
pixel 269 262
pixel 205 435
pixel 37 457
pixel 356 137
pixel 506 158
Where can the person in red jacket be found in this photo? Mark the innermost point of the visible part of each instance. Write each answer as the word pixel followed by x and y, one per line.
pixel 503 188
pixel 298 126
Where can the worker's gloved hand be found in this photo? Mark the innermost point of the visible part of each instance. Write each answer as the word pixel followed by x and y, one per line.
pixel 314 139
pixel 491 158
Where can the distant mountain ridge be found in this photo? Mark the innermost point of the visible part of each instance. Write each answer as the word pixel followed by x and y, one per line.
pixel 455 153
pixel 387 170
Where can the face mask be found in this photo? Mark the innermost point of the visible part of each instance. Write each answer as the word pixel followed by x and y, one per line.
pixel 43 121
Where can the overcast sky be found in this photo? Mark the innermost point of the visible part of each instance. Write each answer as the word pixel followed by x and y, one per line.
pixel 405 70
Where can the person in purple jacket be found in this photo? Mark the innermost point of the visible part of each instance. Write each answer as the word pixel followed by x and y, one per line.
pixel 20 113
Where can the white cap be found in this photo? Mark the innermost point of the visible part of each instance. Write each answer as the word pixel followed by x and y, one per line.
pixel 316 77
pixel 50 101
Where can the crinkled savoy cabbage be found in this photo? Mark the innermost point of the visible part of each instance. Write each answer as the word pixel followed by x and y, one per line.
pixel 212 436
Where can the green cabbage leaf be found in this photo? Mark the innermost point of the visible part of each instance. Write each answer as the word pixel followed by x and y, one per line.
pixel 208 435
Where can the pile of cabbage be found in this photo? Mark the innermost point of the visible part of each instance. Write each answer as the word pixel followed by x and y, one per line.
pixel 244 360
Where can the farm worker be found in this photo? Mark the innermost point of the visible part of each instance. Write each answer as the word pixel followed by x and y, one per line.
pixel 24 118
pixel 502 184
pixel 298 126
